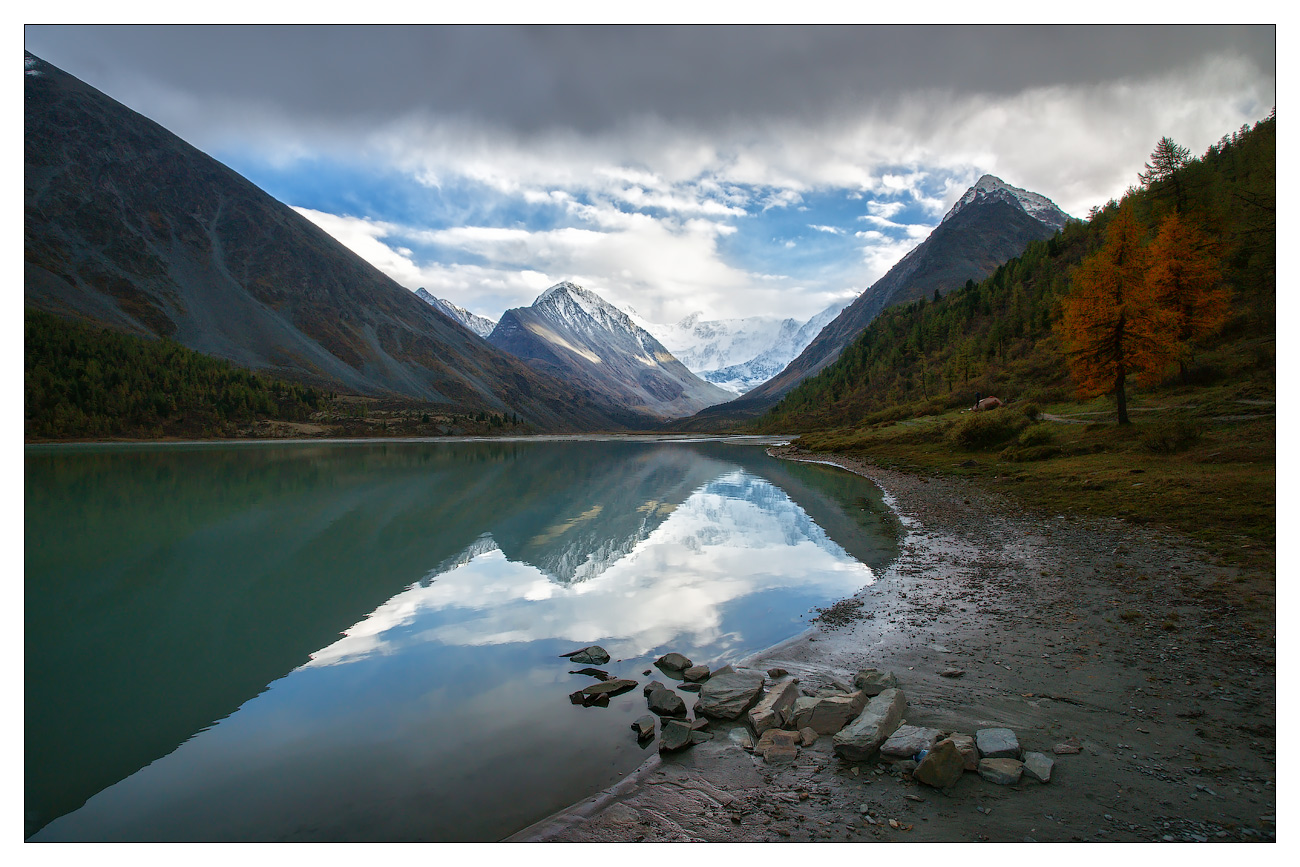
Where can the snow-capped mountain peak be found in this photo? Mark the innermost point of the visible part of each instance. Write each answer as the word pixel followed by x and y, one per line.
pixel 991 188
pixel 480 325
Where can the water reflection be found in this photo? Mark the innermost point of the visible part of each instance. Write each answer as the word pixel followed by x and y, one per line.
pixel 483 563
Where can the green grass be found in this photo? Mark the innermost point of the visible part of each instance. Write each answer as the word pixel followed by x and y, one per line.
pixel 1216 485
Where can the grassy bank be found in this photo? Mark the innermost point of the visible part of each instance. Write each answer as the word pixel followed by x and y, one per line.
pixel 1200 462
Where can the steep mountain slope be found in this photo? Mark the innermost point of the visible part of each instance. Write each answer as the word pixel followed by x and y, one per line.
pixel 129 226
pixel 577 336
pixel 752 373
pixel 480 325
pixel 989 224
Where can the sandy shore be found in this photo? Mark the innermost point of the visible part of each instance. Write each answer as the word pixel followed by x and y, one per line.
pixel 1082 630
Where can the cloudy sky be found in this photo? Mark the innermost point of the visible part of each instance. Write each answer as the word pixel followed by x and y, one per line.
pixel 733 170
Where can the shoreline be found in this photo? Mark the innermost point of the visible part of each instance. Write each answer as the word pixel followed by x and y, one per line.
pixel 1082 630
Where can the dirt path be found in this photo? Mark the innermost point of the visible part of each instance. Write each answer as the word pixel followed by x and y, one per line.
pixel 1090 631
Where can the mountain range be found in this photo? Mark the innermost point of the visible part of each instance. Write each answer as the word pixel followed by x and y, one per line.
pixel 128 226
pixel 589 343
pixel 990 224
pixel 480 325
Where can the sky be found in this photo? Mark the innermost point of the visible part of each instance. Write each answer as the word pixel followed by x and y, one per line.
pixel 732 170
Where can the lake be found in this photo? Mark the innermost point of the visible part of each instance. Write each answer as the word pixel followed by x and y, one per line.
pixel 335 641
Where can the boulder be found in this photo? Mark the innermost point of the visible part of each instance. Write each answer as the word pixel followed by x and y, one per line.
pixel 729 692
pixel 696 673
pixel 777 673
pixel 873 681
pixel 594 655
pixel 1004 772
pixel 1038 767
pixel 771 711
pixel 614 687
pixel 673 662
pixel 644 726
pixel 997 744
pixel 825 714
pixel 966 745
pixel 651 687
pixel 665 702
pixel 676 735
pixel 907 741
pixel 859 740
pixel 942 766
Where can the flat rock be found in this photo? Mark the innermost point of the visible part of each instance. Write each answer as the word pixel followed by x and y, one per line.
pixel 966 745
pixel 952 672
pixel 907 741
pixel 729 692
pixel 696 673
pixel 1038 767
pixel 1004 772
pixel 699 737
pixel 700 723
pixel 644 726
pixel 860 739
pixel 1066 749
pixel 690 687
pixel 593 655
pixel 825 714
pixel 997 744
pixel 592 672
pixel 873 681
pixel 614 687
pixel 780 754
pixel 673 662
pixel 665 702
pixel 676 735
pixel 777 737
pixel 771 711
pixel 942 766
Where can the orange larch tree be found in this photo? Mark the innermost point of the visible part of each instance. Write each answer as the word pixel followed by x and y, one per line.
pixel 1111 324
pixel 1184 276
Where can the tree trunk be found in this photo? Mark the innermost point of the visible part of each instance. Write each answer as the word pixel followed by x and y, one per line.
pixel 1121 401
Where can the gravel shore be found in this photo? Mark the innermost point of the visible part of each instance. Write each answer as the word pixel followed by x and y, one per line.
pixel 1084 631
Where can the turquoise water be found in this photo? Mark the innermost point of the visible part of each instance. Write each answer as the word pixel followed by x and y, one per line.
pixel 360 641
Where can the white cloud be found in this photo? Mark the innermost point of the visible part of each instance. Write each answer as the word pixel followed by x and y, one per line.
pixel 830 230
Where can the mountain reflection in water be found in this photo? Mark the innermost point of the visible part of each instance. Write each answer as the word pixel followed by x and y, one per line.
pixel 456 573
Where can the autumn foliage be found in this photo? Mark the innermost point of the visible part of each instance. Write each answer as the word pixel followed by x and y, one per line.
pixel 1137 307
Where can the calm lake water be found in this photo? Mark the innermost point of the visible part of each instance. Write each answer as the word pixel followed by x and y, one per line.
pixel 360 641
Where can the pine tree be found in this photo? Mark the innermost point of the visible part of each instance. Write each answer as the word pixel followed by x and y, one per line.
pixel 1185 278
pixel 1110 323
pixel 1166 160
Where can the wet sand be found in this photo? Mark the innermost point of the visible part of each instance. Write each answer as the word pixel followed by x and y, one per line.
pixel 1090 631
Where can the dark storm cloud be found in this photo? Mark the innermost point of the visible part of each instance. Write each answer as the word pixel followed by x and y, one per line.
pixel 589 78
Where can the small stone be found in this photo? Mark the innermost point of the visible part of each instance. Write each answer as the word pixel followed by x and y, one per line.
pixel 729 692
pixel 808 737
pixel 701 723
pixel 873 681
pixel 942 767
pixel 777 737
pixel 772 710
pixel 780 755
pixel 690 687
pixel 908 741
pixel 644 726
pixel 1066 749
pixel 698 737
pixel 997 743
pixel 610 687
pixel 825 714
pixel 676 735
pixel 696 673
pixel 1038 767
pixel 966 745
pixel 905 767
pixel 665 702
pixel 593 655
pixel 776 673
pixel 673 662
pixel 1003 772
pixel 651 687
pixel 952 672
pixel 860 739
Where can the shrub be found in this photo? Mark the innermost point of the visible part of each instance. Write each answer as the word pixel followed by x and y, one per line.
pixel 1029 410
pixel 1171 434
pixel 983 430
pixel 1037 434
